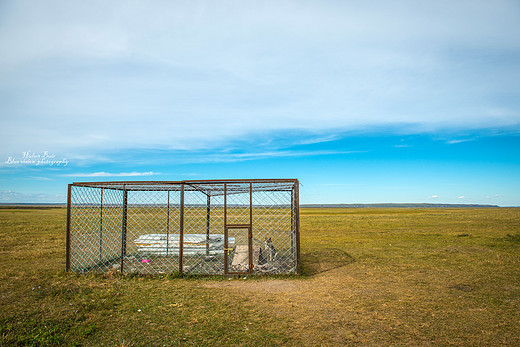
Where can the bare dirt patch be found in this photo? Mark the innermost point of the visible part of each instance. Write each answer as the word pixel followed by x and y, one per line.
pixel 259 286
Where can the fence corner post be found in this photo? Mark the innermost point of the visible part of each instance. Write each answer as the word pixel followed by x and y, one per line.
pixel 69 201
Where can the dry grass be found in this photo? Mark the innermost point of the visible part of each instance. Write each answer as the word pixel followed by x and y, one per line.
pixel 373 276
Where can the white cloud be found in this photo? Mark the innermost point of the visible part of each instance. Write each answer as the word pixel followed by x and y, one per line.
pixel 494 196
pixel 108 174
pixel 434 196
pixel 322 139
pixel 91 76
pixel 452 142
pixel 460 197
pixel 233 157
pixel 41 178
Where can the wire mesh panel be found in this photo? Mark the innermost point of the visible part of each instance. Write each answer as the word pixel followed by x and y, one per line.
pixel 152 232
pixel 110 233
pixel 238 204
pixel 274 231
pixel 197 227
pixel 95 229
pixel 214 261
pixel 195 242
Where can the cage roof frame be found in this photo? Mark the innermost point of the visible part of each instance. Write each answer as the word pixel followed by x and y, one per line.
pixel 207 187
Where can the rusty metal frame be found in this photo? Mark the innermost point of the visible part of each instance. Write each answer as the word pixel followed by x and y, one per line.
pixel 191 182
pixel 229 187
pixel 250 235
pixel 123 228
pixel 69 206
pixel 226 244
pixel 168 225
pixel 181 231
pixel 101 226
pixel 208 211
pixel 297 231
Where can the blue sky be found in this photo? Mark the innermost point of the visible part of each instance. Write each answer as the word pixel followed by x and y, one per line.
pixel 363 101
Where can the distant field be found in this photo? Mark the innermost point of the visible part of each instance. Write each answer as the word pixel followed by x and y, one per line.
pixel 372 276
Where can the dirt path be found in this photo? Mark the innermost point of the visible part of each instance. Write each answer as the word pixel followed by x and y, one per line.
pixel 327 306
pixel 364 304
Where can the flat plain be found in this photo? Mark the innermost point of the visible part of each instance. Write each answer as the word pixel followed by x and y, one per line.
pixel 402 276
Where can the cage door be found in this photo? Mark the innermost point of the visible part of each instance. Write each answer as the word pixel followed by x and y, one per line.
pixel 237 253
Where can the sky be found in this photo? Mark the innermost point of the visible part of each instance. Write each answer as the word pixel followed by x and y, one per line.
pixel 362 101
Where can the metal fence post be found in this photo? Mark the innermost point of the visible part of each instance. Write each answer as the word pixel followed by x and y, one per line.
pixel 67 261
pixel 123 231
pixel 207 224
pixel 293 226
pixel 101 227
pixel 250 231
pixel 168 225
pixel 181 229
pixel 297 210
pixel 226 245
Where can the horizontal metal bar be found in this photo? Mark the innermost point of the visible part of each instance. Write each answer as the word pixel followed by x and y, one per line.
pixel 128 182
pixel 252 180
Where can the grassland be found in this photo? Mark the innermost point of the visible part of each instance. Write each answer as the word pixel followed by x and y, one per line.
pixel 372 277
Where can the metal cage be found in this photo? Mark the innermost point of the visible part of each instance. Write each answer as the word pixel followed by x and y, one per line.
pixel 210 227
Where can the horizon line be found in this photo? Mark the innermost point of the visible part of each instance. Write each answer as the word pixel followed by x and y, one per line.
pixel 311 205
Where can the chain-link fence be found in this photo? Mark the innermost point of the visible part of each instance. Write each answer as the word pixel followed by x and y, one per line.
pixel 197 227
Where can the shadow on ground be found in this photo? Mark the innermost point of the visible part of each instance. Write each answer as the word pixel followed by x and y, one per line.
pixel 325 259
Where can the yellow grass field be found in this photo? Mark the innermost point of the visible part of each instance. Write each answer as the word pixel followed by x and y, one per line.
pixel 371 277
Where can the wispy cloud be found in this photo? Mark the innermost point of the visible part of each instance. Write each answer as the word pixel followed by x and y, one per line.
pixel 453 142
pixel 315 140
pixel 493 197
pixel 460 197
pixel 108 174
pixel 337 184
pixel 234 157
pixel 41 178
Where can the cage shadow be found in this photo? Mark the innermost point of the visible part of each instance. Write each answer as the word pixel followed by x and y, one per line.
pixel 319 261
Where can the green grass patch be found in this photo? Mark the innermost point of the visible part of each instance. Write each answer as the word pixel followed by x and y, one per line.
pixel 371 277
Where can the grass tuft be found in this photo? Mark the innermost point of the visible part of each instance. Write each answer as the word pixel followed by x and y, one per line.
pixel 513 238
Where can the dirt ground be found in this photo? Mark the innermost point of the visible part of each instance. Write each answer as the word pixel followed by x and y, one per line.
pixel 356 303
